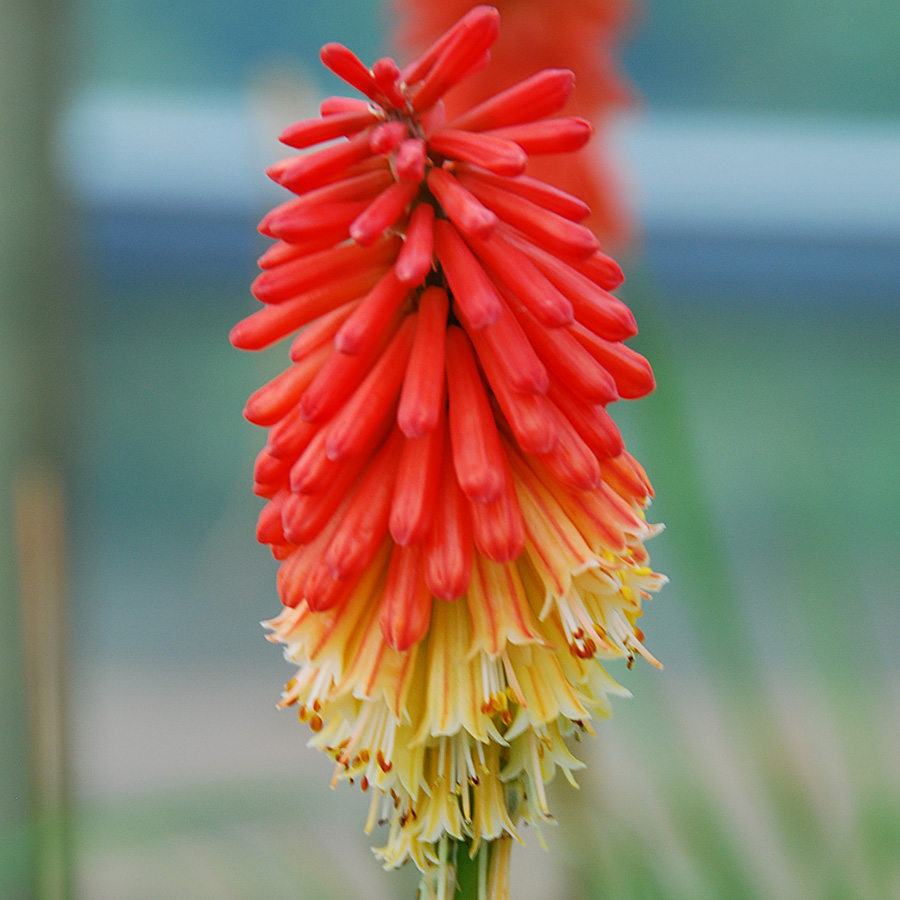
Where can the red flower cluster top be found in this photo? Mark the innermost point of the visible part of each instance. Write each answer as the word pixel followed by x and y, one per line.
pixel 450 306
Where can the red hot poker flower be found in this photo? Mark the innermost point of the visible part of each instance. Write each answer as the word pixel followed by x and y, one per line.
pixel 459 527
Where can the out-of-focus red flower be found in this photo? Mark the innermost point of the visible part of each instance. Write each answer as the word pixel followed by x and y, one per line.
pixel 460 530
pixel 580 35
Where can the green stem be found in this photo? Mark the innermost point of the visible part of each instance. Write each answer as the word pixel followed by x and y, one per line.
pixel 471 873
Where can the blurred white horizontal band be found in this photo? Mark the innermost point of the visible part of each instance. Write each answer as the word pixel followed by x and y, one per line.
pixel 716 195
pixel 768 176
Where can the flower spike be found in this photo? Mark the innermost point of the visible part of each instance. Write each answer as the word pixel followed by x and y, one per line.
pixel 459 529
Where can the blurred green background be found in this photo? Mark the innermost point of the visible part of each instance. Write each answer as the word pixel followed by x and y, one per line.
pixel 763 762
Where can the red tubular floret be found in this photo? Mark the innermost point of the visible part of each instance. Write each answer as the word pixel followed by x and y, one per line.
pixel 406 602
pixel 416 257
pixel 269 403
pixel 366 325
pixel 280 283
pixel 477 453
pixel 422 395
pixel 539 192
pixel 475 293
pixel 463 52
pixel 548 136
pixel 364 525
pixel 314 131
pixel 382 212
pixel 348 66
pixel 556 233
pixel 466 212
pixel 360 417
pixel 448 547
pixel 272 323
pixel 492 154
pixel 415 493
pixel 543 93
pixel 631 372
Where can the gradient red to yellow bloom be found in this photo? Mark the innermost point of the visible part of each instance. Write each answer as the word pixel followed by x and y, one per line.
pixel 459 528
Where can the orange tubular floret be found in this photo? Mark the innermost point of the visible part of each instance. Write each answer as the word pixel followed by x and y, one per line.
pixel 422 396
pixel 477 453
pixel 632 373
pixel 568 361
pixel 542 94
pixel 289 437
pixel 627 478
pixel 337 106
pixel 554 232
pixel 349 67
pixel 502 157
pixel 463 51
pixel 406 603
pixel 386 73
pixel 409 163
pixel 337 379
pixel 269 529
pixel 321 331
pixel 359 418
pixel 364 328
pixel 272 323
pixel 315 131
pixel 362 186
pixel 539 192
pixel 603 270
pixel 514 270
pixel 467 213
pixel 509 349
pixel 312 470
pixel 419 68
pixel 415 259
pixel 303 173
pixel 533 426
pixel 332 219
pixel 497 527
pixel 304 515
pixel 548 136
pixel 592 422
pixel 268 404
pixel 299 562
pixel 365 522
pixel 572 461
pixel 473 291
pixel 275 285
pixel 323 592
pixel 387 136
pixel 382 212
pixel 594 308
pixel 415 493
pixel 448 547
pixel 270 474
pixel 599 515
pixel 282 252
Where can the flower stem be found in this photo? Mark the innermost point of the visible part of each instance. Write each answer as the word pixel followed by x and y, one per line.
pixel 471 873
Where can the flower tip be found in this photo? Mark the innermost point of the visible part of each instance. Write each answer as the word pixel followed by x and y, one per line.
pixel 239 338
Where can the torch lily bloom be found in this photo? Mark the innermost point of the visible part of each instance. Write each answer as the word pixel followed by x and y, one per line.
pixel 459 528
